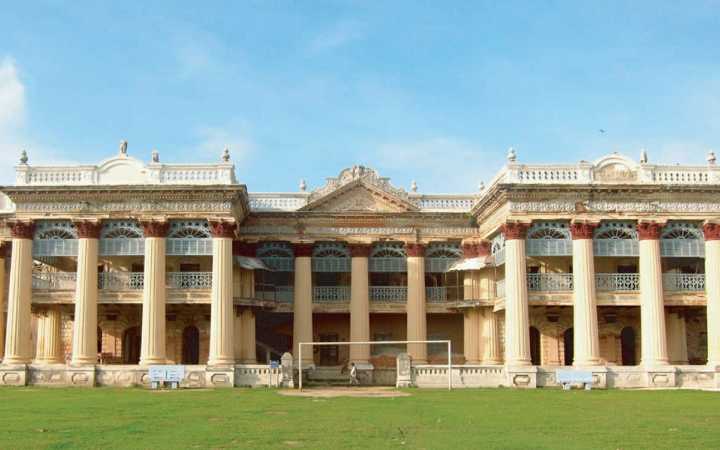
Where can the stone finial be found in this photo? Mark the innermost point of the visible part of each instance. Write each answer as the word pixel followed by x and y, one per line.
pixel 226 154
pixel 413 186
pixel 155 156
pixel 511 155
pixel 303 185
pixel 643 156
pixel 23 157
pixel 123 147
pixel 711 158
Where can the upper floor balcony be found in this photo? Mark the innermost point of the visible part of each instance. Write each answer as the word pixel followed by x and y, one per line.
pixel 121 281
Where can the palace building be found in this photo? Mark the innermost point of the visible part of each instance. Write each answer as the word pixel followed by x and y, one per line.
pixel 612 267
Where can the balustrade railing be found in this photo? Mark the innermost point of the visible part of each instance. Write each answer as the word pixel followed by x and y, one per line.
pixel 121 281
pixel 684 281
pixel 682 247
pixel 122 247
pixel 388 294
pixel 617 281
pixel 189 280
pixel 331 294
pixel 60 281
pixel 55 247
pixel 179 247
pixel 548 247
pixel 616 247
pixel 436 294
pixel 550 281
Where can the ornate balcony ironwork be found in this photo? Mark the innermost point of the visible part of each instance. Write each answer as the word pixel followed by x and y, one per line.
pixel 189 280
pixel 436 294
pixel 185 246
pixel 121 281
pixel 550 281
pixel 61 281
pixel 388 294
pixel 549 247
pixel 55 247
pixel 616 247
pixel 684 282
pixel 331 294
pixel 617 281
pixel 682 247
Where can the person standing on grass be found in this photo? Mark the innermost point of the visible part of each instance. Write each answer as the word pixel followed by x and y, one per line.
pixel 353 374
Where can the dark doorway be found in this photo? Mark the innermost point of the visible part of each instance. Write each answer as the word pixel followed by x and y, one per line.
pixel 191 345
pixel 568 346
pixel 131 346
pixel 329 353
pixel 535 346
pixel 627 342
pixel 99 340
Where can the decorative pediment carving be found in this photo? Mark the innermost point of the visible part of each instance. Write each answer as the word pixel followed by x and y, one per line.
pixel 615 168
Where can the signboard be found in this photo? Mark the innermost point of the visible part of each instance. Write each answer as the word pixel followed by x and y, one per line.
pixel 161 374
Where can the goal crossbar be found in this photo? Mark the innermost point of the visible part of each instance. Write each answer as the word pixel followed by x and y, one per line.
pixel 320 344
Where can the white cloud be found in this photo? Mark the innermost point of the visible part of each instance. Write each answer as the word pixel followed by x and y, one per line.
pixel 336 36
pixel 12 96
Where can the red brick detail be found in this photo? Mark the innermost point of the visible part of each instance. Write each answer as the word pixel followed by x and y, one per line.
pixel 88 230
pixel 514 230
pixel 303 250
pixel 359 250
pixel 221 229
pixel 248 249
pixel 476 249
pixel 648 231
pixel 152 228
pixel 413 249
pixel 582 230
pixel 22 230
pixel 711 231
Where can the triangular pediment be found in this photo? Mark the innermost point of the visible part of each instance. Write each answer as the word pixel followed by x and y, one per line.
pixel 359 196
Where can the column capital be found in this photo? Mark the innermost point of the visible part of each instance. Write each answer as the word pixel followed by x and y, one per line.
pixel 648 231
pixel 303 249
pixel 248 249
pixel 22 230
pixel 514 230
pixel 711 231
pixel 360 250
pixel 222 229
pixel 88 229
pixel 582 230
pixel 476 249
pixel 154 228
pixel 414 249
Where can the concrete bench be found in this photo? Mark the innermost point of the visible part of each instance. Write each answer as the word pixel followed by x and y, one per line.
pixel 569 377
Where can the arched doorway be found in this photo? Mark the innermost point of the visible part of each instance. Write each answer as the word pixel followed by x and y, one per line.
pixel 191 345
pixel 535 346
pixel 568 346
pixel 131 346
pixel 627 343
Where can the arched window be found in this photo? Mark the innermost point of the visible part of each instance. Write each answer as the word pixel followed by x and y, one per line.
pixel 388 257
pixel 682 230
pixel 277 255
pixel 121 229
pixel 548 230
pixel 330 257
pixel 568 347
pixel 191 345
pixel 627 345
pixel 189 229
pixel 616 230
pixel 55 229
pixel 535 358
pixel 388 250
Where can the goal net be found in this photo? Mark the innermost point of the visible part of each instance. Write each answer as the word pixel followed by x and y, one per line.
pixel 308 346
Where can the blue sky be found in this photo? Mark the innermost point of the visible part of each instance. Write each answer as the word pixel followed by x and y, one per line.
pixel 434 91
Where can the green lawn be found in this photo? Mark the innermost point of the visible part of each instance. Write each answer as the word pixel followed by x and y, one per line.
pixel 462 419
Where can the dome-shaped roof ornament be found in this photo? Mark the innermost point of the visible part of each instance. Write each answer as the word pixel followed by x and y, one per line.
pixel 303 186
pixel 123 147
pixel 643 156
pixel 226 154
pixel 23 157
pixel 413 186
pixel 511 155
pixel 711 158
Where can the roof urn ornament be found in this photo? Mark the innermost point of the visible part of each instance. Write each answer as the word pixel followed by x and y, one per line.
pixel 643 156
pixel 481 186
pixel 123 148
pixel 303 185
pixel 226 154
pixel 711 158
pixel 23 157
pixel 155 155
pixel 511 155
pixel 413 186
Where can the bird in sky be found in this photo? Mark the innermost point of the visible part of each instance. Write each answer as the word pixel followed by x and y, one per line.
pixel 602 131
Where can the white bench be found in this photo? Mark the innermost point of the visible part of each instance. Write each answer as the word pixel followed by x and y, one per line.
pixel 569 377
pixel 160 375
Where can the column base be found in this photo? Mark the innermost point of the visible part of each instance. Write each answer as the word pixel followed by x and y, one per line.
pixel 223 362
pixel 523 377
pixel 491 362
pixel 153 362
pixel 220 376
pixel 13 374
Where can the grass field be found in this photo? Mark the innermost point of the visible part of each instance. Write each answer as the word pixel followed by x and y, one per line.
pixel 498 418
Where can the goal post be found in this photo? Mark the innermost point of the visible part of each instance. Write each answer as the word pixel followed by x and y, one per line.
pixel 348 343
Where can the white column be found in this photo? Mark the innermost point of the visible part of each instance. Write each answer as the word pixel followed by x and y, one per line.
pixel 712 291
pixel 359 304
pixel 490 344
pixel 248 336
pixel 416 306
pixel 17 338
pixel 471 334
pixel 517 321
pixel 84 342
pixel 652 304
pixel 4 247
pixel 49 338
pixel 677 338
pixel 152 341
pixel 586 351
pixel 237 336
pixel 302 302
pixel 222 313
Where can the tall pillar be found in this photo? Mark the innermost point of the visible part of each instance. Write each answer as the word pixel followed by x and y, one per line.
pixel 222 313
pixel 652 305
pixel 152 341
pixel 17 337
pixel 517 321
pixel 712 291
pixel 586 345
pixel 491 352
pixel 49 338
pixel 359 303
pixel 677 338
pixel 237 336
pixel 302 302
pixel 471 334
pixel 84 341
pixel 416 307
pixel 248 355
pixel 4 247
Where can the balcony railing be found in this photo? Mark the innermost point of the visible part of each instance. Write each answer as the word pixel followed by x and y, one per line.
pixel 388 294
pixel 121 281
pixel 281 294
pixel 684 281
pixel 549 247
pixel 122 247
pixel 193 246
pixel 189 280
pixel 616 247
pixel 682 247
pixel 55 247
pixel 61 281
pixel 550 281
pixel 436 294
pixel 617 281
pixel 331 294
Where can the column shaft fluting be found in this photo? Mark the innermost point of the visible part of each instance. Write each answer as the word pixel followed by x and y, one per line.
pixel 302 302
pixel 222 313
pixel 517 321
pixel 359 304
pixel 490 342
pixel 652 306
pixel 471 334
pixel 49 338
pixel 17 337
pixel 3 299
pixel 84 342
pixel 416 306
pixel 677 338
pixel 586 345
pixel 152 348
pixel 712 291
pixel 248 355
